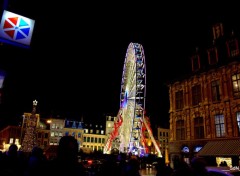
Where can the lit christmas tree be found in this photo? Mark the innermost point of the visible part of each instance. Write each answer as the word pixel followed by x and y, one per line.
pixel 30 137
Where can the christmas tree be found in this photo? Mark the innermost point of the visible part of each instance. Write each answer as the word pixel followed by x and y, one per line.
pixel 29 139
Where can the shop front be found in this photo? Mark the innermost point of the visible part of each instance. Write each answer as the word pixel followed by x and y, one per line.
pixel 224 152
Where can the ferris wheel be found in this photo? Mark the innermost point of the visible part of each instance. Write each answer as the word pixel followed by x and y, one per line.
pixel 132 99
pixel 132 124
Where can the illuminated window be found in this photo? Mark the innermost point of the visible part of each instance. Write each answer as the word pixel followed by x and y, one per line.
pixel 196 95
pixel 52 134
pixel 85 130
pixel 180 130
pixel 198 128
pixel 11 141
pixel 53 125
pixel 179 100
pixel 97 131
pixel 236 83
pixel 56 134
pixel 232 48
pixel 102 131
pixel 216 91
pixel 91 131
pixel 219 125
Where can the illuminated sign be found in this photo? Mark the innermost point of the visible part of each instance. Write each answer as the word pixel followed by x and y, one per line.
pixel 16 28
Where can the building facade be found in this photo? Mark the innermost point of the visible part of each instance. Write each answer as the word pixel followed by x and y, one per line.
pixel 205 105
pixel 10 135
pixel 94 137
pixel 163 138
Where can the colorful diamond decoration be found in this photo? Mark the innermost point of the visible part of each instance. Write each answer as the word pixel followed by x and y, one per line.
pixel 16 28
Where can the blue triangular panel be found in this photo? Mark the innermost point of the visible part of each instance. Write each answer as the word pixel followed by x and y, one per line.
pixel 25 30
pixel 19 36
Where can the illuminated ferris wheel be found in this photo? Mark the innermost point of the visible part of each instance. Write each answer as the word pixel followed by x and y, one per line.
pixel 132 125
pixel 132 99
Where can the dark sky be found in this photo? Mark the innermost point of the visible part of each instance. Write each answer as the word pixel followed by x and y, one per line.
pixel 74 65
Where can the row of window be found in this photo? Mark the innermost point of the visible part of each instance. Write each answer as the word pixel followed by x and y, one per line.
pixel 219 122
pixel 72 124
pixel 91 131
pixel 163 134
pixel 94 140
pixel 216 92
pixel 94 148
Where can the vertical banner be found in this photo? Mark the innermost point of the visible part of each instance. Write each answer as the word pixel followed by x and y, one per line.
pixel 16 28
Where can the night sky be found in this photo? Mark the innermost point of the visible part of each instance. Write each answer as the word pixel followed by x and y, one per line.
pixel 74 65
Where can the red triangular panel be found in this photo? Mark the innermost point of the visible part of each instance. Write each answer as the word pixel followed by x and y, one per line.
pixel 7 25
pixel 10 33
pixel 14 20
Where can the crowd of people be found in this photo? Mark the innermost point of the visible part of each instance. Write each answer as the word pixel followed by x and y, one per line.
pixel 66 163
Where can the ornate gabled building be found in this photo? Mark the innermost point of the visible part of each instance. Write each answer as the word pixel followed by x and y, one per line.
pixel 205 105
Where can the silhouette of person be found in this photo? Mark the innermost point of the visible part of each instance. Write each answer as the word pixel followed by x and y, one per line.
pixel 66 162
pixel 35 163
pixel 198 166
pixel 11 164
